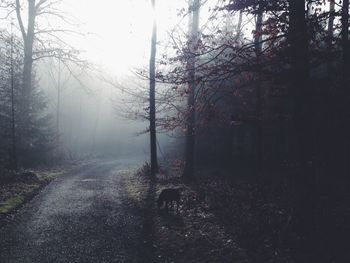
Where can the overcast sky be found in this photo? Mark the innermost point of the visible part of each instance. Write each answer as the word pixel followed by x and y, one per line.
pixel 119 30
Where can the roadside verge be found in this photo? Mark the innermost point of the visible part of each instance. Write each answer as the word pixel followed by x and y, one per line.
pixel 19 188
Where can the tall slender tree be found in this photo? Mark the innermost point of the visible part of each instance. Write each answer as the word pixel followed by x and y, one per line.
pixel 28 40
pixel 13 118
pixel 302 94
pixel 58 109
pixel 239 26
pixel 152 99
pixel 345 91
pixel 34 34
pixel 330 28
pixel 194 8
pixel 345 40
pixel 259 97
pixel 299 73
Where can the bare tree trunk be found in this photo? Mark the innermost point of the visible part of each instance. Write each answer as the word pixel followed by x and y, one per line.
pixel 239 27
pixel 28 39
pixel 345 92
pixel 152 99
pixel 345 39
pixel 259 102
pixel 331 21
pixel 299 67
pixel 330 34
pixel 329 101
pixel 58 109
pixel 13 119
pixel 96 124
pixel 302 94
pixel 191 105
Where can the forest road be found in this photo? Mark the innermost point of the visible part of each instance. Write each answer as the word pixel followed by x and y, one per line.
pixel 84 216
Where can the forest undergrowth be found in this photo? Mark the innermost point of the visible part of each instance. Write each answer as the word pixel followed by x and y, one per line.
pixel 222 219
pixel 191 233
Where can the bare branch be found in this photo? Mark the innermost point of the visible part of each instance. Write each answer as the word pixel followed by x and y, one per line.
pixel 19 18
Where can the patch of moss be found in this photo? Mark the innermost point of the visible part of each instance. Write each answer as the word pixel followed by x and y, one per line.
pixel 31 188
pixel 10 204
pixel 48 176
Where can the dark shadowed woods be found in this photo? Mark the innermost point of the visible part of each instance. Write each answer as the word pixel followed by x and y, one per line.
pixel 246 108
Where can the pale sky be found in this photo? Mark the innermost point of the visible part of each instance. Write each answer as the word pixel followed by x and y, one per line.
pixel 116 33
pixel 120 30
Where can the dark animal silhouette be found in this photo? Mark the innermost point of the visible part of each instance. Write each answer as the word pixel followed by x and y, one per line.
pixel 168 196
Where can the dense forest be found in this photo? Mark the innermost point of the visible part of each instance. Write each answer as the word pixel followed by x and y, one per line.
pixel 245 101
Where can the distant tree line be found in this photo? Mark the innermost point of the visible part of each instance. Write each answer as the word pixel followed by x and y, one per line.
pixel 28 137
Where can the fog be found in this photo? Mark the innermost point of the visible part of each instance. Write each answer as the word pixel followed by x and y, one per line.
pixel 113 38
pixel 165 119
pixel 89 93
pixel 89 124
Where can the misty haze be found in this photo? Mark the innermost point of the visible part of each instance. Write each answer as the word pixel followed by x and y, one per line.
pixel 174 131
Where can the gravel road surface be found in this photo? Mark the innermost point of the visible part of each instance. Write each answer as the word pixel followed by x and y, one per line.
pixel 83 216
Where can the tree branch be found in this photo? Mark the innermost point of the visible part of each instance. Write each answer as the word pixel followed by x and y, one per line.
pixel 19 18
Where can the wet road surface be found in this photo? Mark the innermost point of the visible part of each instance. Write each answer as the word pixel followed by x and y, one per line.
pixel 83 216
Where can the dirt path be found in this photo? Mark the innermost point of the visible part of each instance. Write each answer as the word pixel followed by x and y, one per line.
pixel 87 215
